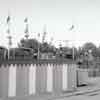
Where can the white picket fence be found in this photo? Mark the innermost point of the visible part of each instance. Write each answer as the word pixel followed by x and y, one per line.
pixel 32 79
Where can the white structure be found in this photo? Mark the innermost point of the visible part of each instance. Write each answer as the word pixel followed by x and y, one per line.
pixel 22 80
pixel 82 75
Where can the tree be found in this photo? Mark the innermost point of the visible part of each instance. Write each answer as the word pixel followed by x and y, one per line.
pixel 89 47
pixel 30 43
pixel 45 47
pixel 97 52
pixel 35 44
pixel 66 52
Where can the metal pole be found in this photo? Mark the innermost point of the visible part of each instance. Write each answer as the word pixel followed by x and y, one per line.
pixel 9 46
pixel 8 31
pixel 73 52
pixel 26 32
pixel 9 36
pixel 26 28
pixel 38 46
pixel 38 51
pixel 4 54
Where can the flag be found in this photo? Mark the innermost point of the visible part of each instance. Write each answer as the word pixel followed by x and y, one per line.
pixel 8 19
pixel 51 38
pixel 26 30
pixel 72 27
pixel 25 20
pixel 8 31
pixel 38 34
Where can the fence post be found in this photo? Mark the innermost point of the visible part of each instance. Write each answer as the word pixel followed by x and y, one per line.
pixel 50 78
pixel 71 77
pixel 12 81
pixel 57 78
pixel 65 77
pixel 32 79
pixel 4 80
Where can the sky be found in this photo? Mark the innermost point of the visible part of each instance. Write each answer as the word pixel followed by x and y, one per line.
pixel 56 15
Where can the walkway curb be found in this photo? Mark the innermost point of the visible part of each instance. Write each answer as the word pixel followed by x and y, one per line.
pixel 75 94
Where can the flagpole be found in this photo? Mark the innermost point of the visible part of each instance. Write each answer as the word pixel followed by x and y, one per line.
pixel 73 51
pixel 26 28
pixel 9 36
pixel 10 43
pixel 38 46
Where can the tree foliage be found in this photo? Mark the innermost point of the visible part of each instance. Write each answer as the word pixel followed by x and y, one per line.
pixel 30 43
pixel 89 46
pixel 35 44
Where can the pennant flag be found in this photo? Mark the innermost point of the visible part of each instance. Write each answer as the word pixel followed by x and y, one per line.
pixel 26 30
pixel 38 34
pixel 25 20
pixel 72 27
pixel 52 38
pixel 8 31
pixel 8 19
